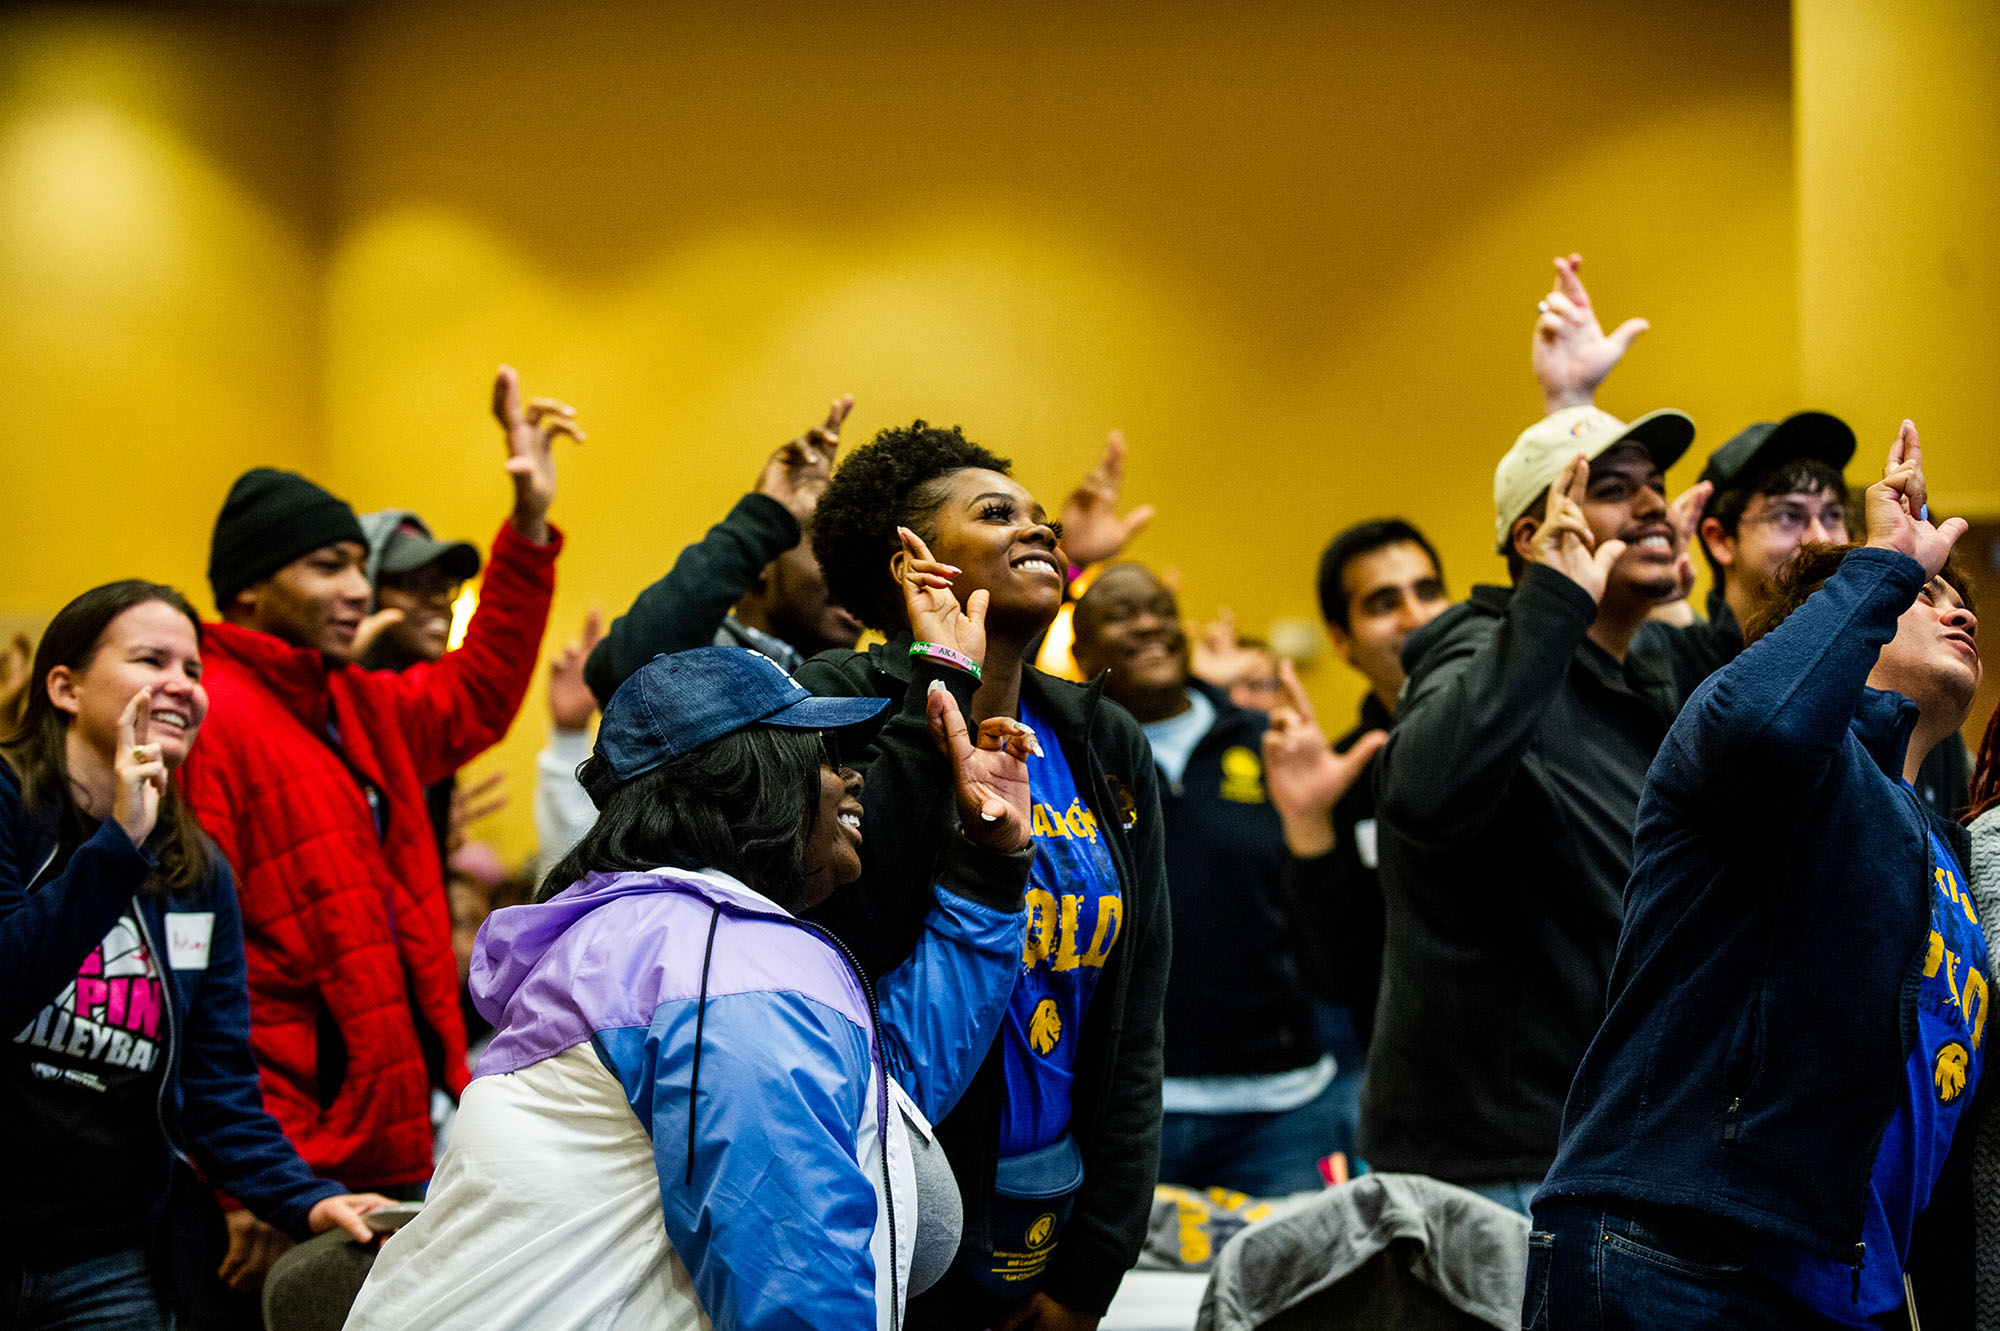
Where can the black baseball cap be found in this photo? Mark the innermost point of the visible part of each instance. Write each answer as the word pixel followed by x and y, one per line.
pixel 673 705
pixel 1764 447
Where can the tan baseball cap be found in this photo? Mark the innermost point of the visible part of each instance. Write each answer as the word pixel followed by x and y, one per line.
pixel 1545 448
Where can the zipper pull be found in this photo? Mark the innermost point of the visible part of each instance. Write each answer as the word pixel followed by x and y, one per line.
pixel 1860 1256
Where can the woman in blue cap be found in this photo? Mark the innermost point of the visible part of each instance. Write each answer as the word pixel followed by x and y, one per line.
pixel 696 1105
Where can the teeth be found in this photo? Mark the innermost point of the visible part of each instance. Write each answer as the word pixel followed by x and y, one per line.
pixel 1039 563
pixel 851 820
pixel 172 718
pixel 1656 543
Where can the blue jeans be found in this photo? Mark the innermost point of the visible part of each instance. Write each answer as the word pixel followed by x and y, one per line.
pixel 1600 1264
pixel 1264 1155
pixel 109 1293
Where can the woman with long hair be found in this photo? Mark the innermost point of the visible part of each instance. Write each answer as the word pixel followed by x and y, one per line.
pixel 1056 1143
pixel 122 983
pixel 695 1105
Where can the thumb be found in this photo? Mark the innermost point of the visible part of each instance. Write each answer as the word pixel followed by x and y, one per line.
pixel 372 628
pixel 1607 555
pixel 1136 520
pixel 1626 333
pixel 975 610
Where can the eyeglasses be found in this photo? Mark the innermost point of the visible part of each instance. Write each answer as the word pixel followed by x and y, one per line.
pixel 1793 520
pixel 829 750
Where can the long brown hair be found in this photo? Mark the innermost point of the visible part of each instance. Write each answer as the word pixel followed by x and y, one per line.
pixel 37 749
pixel 1986 772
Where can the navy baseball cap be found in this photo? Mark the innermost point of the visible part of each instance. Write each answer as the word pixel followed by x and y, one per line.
pixel 672 705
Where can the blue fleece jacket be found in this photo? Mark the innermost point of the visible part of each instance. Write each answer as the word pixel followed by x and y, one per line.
pixel 212 1108
pixel 1763 1001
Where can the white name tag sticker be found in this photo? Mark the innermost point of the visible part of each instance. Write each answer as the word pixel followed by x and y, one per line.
pixel 187 939
pixel 1364 842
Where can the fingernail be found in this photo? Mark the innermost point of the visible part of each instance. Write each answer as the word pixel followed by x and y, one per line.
pixel 937 686
pixel 988 817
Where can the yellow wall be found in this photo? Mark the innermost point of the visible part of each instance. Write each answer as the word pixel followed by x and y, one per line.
pixel 1899 229
pixel 1293 253
pixel 1293 250
pixel 1899 240
pixel 161 203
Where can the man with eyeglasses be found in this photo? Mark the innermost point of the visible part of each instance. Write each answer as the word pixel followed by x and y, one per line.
pixel 1778 486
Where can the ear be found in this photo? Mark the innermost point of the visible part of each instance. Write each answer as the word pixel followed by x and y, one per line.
pixel 243 607
pixel 61 685
pixel 1721 545
pixel 1521 537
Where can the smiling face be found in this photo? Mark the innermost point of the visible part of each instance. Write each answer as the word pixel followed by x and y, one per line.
pixel 1934 658
pixel 991 528
pixel 1626 500
pixel 151 645
pixel 317 601
pixel 1129 624
pixel 425 597
pixel 833 851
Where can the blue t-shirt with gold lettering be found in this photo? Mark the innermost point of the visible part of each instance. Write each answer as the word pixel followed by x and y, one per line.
pixel 1941 1075
pixel 1074 914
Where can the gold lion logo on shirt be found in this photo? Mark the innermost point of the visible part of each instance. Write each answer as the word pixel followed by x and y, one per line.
pixel 1045 1027
pixel 1949 1074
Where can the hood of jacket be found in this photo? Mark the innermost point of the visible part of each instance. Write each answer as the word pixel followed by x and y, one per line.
pixel 513 942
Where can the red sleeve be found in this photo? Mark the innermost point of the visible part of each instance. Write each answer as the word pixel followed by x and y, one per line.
pixel 460 706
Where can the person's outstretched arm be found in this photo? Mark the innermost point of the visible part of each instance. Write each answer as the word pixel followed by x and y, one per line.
pixel 683 609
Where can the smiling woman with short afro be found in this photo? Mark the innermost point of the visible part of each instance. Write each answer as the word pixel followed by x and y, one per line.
pixel 888 483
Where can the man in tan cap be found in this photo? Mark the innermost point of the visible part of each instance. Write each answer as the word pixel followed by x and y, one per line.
pixel 1508 792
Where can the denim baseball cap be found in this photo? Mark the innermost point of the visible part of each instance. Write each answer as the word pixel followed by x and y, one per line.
pixel 672 705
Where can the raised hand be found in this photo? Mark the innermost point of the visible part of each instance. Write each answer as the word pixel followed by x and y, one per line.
pixel 1685 514
pixel 935 614
pixel 1305 777
pixel 1898 508
pixel 1214 658
pixel 1565 542
pixel 371 630
pixel 531 432
pixel 1092 530
pixel 138 772
pixel 571 703
pixel 1572 353
pixel 989 774
pixel 797 474
pixel 482 799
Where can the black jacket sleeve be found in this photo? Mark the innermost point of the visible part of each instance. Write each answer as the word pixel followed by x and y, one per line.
pixel 908 809
pixel 46 934
pixel 684 609
pixel 1121 1158
pixel 1473 706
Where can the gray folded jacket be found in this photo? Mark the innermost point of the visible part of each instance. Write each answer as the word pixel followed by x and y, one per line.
pixel 1387 1250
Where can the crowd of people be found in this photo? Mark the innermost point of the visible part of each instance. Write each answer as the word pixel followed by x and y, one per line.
pixel 930 889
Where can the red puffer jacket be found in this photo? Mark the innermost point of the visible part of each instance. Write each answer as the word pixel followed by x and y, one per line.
pixel 346 929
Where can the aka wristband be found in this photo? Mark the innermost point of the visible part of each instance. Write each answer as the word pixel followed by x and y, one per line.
pixel 937 651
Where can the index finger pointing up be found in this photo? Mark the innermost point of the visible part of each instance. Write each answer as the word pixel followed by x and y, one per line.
pixel 136 719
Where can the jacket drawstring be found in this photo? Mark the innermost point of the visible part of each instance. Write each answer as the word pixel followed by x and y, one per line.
pixel 700 1015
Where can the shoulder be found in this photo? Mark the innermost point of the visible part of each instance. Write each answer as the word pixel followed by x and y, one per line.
pixel 1466 626
pixel 841 672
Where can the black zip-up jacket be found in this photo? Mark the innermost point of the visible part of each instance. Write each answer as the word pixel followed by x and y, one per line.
pixel 1508 792
pixel 1236 1006
pixel 1764 1002
pixel 684 609
pixel 910 814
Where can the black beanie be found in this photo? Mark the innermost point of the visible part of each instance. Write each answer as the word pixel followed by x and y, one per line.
pixel 271 518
